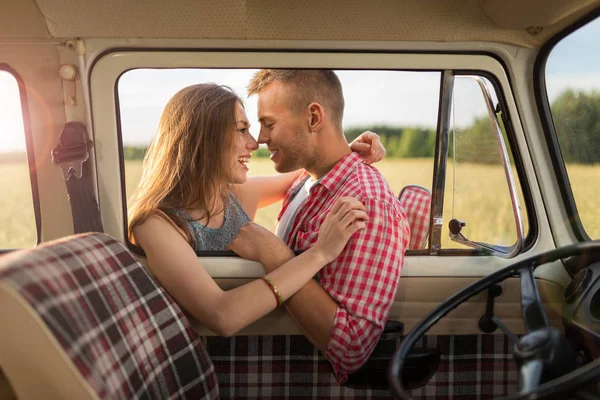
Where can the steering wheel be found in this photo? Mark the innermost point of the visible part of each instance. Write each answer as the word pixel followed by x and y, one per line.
pixel 546 361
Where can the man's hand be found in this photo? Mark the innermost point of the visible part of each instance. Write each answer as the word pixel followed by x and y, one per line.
pixel 368 146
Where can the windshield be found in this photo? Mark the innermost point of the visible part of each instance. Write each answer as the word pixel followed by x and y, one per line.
pixel 573 90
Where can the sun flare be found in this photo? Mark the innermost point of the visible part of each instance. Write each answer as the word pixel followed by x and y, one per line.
pixel 12 138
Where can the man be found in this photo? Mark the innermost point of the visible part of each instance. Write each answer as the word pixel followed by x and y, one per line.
pixel 344 313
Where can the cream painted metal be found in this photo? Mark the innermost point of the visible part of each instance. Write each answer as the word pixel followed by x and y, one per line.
pixel 229 272
pixel 417 296
pixel 108 68
pixel 32 42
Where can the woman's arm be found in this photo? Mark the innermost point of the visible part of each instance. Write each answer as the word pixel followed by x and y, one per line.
pixel 176 266
pixel 262 191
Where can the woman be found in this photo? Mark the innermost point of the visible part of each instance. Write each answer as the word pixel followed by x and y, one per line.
pixel 193 170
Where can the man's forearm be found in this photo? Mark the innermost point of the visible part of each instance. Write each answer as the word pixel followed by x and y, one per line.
pixel 274 259
pixel 313 310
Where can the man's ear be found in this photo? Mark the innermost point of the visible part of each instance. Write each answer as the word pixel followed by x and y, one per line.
pixel 316 115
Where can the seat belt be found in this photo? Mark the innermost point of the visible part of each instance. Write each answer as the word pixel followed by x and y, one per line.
pixel 72 156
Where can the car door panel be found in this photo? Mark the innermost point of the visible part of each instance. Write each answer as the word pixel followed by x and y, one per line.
pixel 271 359
pixel 417 296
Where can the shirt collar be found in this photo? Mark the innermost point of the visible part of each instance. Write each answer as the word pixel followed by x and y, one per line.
pixel 333 179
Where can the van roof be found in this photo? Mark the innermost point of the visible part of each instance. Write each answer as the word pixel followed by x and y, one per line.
pixel 527 23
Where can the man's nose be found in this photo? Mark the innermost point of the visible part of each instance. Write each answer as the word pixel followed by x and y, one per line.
pixel 262 137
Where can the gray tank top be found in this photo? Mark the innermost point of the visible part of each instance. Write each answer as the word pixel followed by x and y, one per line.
pixel 218 238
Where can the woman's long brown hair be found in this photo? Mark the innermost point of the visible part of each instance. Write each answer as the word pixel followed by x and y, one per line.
pixel 186 165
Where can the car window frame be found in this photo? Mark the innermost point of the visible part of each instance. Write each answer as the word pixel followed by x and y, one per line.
pixel 529 203
pixel 532 233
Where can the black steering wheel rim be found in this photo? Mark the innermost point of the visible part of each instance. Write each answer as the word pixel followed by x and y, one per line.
pixel 571 380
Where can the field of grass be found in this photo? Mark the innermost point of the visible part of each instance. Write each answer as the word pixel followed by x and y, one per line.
pixel 17 220
pixel 489 207
pixel 480 198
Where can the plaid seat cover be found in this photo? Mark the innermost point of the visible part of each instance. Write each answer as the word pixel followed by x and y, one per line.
pixel 416 201
pixel 124 334
pixel 290 367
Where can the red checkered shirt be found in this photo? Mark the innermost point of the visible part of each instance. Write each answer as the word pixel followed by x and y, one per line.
pixel 364 278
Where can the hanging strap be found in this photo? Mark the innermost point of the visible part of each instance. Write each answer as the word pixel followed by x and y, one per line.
pixel 72 155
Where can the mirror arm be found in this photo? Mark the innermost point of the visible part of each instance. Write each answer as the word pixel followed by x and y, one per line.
pixel 494 250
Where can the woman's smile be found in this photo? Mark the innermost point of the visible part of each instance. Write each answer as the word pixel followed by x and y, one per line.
pixel 244 160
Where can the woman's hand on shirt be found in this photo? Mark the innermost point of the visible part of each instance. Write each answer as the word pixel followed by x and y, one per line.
pixel 346 217
pixel 368 145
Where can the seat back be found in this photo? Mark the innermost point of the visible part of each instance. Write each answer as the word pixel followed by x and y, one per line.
pixel 83 319
pixel 416 201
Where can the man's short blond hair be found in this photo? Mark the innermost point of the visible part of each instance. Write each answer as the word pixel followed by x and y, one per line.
pixel 310 85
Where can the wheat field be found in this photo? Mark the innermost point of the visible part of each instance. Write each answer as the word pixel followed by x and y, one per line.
pixel 480 198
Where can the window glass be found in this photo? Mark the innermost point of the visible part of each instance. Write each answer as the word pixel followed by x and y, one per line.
pixel 477 191
pixel 402 107
pixel 573 89
pixel 17 218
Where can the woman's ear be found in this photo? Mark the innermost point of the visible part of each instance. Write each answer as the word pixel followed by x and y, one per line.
pixel 316 115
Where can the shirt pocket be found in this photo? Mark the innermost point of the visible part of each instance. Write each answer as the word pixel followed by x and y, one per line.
pixel 304 240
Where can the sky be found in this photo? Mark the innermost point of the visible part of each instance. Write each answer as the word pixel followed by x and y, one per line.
pixel 575 61
pixel 372 97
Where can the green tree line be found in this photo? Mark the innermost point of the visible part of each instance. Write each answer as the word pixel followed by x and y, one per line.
pixel 400 142
pixel 577 120
pixel 576 117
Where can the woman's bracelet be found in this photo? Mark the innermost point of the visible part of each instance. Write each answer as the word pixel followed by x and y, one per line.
pixel 273 289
